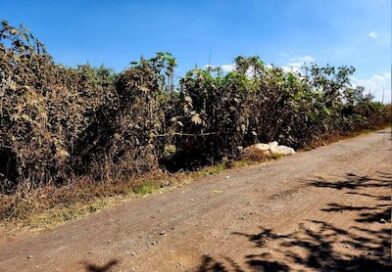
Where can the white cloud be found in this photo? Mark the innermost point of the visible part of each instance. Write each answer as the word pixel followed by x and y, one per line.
pixel 296 63
pixel 376 85
pixel 373 35
pixel 228 67
pixel 302 59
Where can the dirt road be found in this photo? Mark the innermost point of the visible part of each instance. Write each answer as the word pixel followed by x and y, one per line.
pixel 328 209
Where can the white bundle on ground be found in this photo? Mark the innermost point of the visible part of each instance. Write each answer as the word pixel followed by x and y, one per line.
pixel 262 151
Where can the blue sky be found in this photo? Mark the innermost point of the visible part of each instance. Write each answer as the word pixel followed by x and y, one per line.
pixel 282 32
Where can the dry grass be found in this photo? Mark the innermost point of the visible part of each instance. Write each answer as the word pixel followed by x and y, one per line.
pixel 51 206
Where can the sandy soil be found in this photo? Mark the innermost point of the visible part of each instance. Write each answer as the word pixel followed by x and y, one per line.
pixel 328 209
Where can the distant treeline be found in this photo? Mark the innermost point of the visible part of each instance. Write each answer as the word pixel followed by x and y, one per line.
pixel 59 123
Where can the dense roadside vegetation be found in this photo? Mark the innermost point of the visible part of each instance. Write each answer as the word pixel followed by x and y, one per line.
pixel 60 125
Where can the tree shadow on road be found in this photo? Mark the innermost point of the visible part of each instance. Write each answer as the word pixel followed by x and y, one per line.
pixel 104 268
pixel 363 245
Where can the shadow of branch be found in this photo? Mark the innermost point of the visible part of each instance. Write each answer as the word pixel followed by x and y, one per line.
pixel 323 246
